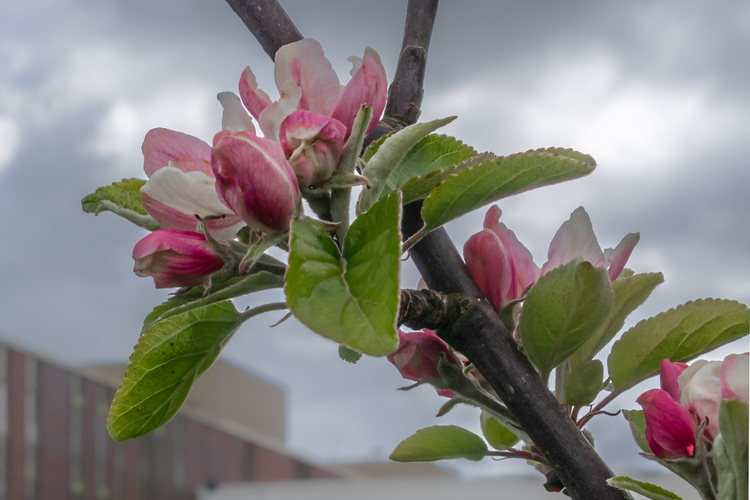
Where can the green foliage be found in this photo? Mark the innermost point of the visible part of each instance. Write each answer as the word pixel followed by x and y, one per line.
pixel 349 355
pixel 562 311
pixel 584 383
pixel 440 442
pixel 434 152
pixel 731 449
pixel 638 427
pixel 234 287
pixel 382 163
pixel 679 334
pixel 351 298
pixel 630 293
pixel 499 436
pixel 476 186
pixel 122 198
pixel 648 490
pixel 420 187
pixel 169 357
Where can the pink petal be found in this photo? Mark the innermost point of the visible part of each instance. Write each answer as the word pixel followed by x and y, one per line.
pixel 254 99
pixel 175 258
pixel 620 255
pixel 369 86
pixel 271 117
pixel 162 145
pixel 488 263
pixel 235 116
pixel 313 143
pixel 734 377
pixel 669 372
pixel 255 180
pixel 525 272
pixel 303 63
pixel 670 428
pixel 575 238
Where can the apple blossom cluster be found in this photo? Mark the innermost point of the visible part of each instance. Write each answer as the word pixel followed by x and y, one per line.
pixel 688 402
pixel 243 179
pixel 504 269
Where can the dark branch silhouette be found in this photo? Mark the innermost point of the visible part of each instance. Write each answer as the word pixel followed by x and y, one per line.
pixel 478 333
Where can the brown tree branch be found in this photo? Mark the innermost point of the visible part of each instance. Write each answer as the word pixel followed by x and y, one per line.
pixel 478 334
pixel 268 22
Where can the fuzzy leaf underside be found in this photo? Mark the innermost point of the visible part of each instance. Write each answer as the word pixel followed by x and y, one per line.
pixel 440 442
pixel 382 163
pixel 648 490
pixel 433 153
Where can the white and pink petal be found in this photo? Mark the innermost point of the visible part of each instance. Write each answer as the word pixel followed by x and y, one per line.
pixel 368 86
pixel 575 238
pixel 162 145
pixel 235 117
pixel 305 64
pixel 254 99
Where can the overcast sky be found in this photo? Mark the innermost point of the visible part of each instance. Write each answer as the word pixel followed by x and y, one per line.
pixel 657 92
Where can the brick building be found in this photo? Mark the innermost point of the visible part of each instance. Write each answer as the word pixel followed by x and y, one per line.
pixel 54 443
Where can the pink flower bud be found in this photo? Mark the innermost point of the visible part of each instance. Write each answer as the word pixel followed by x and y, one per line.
pixel 175 258
pixel 418 354
pixel 669 373
pixel 500 264
pixel 313 143
pixel 254 179
pixel 670 428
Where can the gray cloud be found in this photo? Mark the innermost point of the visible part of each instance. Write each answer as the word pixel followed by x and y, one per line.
pixel 652 90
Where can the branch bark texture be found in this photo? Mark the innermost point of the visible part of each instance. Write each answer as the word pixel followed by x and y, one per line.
pixel 478 334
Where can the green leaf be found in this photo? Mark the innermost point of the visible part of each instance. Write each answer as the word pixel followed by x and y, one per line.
pixel 496 433
pixel 584 383
pixel 638 427
pixel 630 293
pixel 420 187
pixel 648 490
pixel 434 152
pixel 679 334
pixel 389 154
pixel 234 287
pixel 168 359
pixel 731 449
pixel 474 187
pixel 351 298
pixel 440 442
pixel 562 311
pixel 122 198
pixel 349 355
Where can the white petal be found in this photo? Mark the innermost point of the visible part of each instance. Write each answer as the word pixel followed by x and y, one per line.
pixel 575 238
pixel 188 192
pixel 235 115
